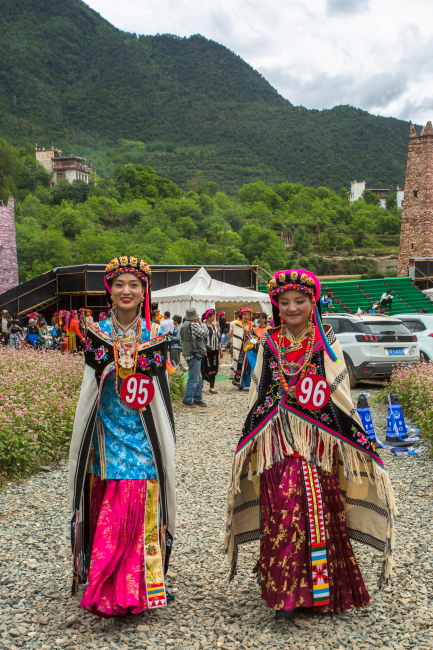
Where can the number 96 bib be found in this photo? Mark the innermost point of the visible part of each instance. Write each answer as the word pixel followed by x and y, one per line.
pixel 312 392
pixel 137 391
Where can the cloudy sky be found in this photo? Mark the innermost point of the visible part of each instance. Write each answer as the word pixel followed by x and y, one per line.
pixel 373 54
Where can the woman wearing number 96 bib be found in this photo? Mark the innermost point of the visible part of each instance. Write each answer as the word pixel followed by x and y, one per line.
pixel 305 477
pixel 121 470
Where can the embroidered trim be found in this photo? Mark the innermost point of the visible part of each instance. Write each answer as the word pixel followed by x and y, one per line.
pixel 316 520
pixel 339 379
pixel 247 504
pixel 365 538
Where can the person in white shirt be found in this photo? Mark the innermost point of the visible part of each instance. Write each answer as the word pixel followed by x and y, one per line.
pixel 167 323
pixel 386 299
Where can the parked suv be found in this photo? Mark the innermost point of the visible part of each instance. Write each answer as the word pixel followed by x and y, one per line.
pixel 373 345
pixel 422 326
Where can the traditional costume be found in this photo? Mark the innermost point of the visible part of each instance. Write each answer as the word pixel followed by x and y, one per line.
pixel 244 356
pixel 210 361
pixel 121 471
pixel 306 479
pixel 72 329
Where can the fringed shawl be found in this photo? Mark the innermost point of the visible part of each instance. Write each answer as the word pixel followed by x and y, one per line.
pixel 157 421
pixel 277 428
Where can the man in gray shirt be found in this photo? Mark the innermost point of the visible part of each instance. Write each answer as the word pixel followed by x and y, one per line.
pixel 193 335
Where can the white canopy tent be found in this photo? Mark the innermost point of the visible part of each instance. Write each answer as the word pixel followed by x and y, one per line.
pixel 202 292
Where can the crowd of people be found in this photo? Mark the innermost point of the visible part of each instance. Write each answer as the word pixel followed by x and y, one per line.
pixel 66 331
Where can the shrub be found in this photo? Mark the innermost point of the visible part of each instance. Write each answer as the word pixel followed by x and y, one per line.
pixel 177 384
pixel 413 384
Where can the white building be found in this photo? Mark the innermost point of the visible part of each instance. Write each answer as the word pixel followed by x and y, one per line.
pixel 70 168
pixel 358 187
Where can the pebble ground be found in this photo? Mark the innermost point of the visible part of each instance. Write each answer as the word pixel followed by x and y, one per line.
pixel 37 612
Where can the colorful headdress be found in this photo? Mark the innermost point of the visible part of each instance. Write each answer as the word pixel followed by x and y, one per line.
pixel 306 282
pixel 209 312
pixel 245 310
pixel 140 268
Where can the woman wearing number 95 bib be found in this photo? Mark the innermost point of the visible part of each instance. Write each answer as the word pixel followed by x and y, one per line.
pixel 305 477
pixel 121 470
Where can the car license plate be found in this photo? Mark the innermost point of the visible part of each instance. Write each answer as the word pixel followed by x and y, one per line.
pixel 395 351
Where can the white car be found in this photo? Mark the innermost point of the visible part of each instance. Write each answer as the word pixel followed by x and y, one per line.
pixel 373 344
pixel 422 326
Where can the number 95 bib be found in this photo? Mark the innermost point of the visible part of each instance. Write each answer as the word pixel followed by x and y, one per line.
pixel 312 392
pixel 137 391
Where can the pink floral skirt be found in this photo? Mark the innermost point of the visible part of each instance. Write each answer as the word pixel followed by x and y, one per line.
pixel 126 574
pixel 285 553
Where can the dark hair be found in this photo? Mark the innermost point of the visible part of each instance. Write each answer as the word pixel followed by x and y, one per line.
pixel 177 319
pixel 166 314
pixel 262 314
pixel 16 316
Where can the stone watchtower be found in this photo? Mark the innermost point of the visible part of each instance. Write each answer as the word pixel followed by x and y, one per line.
pixel 8 247
pixel 416 238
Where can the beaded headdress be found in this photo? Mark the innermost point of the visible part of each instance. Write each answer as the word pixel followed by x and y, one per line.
pixel 306 282
pixel 138 268
pixel 245 310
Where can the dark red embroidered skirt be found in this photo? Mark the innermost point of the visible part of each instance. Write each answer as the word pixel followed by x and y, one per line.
pixel 285 561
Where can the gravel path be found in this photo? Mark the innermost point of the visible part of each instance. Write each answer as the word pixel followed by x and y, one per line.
pixel 36 611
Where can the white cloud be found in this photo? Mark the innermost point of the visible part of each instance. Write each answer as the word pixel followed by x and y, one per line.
pixel 347 6
pixel 372 54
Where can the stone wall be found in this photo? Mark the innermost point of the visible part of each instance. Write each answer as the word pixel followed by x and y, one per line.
pixel 8 247
pixel 416 238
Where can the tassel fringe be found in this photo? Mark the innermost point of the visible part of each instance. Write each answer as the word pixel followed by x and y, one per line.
pixel 285 433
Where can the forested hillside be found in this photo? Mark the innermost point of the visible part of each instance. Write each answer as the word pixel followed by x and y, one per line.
pixel 138 212
pixel 182 105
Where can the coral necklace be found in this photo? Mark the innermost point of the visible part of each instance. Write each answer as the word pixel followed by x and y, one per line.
pixel 125 348
pixel 292 369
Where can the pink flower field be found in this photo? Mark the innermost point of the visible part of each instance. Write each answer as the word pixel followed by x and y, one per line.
pixel 38 396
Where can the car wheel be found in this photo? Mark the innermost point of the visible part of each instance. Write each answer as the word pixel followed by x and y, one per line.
pixel 353 380
pixel 423 357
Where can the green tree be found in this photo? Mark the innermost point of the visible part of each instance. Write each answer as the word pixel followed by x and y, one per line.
pixel 186 227
pixel 325 242
pixel 348 245
pixel 259 192
pixel 370 197
pixel 301 240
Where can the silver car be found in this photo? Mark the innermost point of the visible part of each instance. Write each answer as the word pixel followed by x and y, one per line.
pixel 373 344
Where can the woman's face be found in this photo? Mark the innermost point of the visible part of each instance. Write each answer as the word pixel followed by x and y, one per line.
pixel 210 319
pixel 127 292
pixel 262 321
pixel 295 308
pixel 246 317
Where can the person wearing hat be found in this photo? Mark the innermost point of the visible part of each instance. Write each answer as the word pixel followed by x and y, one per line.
pixel 193 335
pixel 4 327
pixel 121 462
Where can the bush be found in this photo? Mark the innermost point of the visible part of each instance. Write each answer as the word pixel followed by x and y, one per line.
pixel 177 384
pixel 413 384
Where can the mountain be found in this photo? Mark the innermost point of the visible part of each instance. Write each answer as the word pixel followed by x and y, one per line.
pixel 182 105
